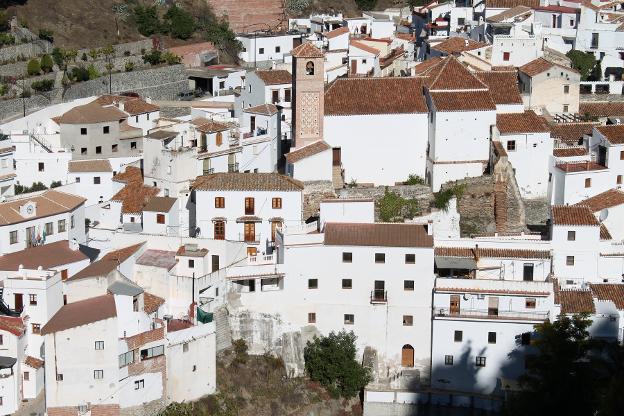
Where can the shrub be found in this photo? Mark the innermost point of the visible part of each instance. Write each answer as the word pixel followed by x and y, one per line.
pixel 129 66
pixel 79 74
pixel 441 199
pixel 147 20
pixel 55 184
pixel 366 4
pixel 46 63
pixel 127 53
pixel 6 39
pixel 153 57
pixel 42 85
pixel 414 180
pixel 179 22
pixel 394 208
pixel 46 34
pixel 241 351
pixel 170 58
pixel 94 53
pixel 37 186
pixel 33 67
pixel 92 72
pixel 331 361
pixel 3 89
pixel 84 57
pixel 25 93
pixel 58 55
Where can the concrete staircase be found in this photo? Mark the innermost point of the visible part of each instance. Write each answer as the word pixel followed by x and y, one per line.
pixel 222 328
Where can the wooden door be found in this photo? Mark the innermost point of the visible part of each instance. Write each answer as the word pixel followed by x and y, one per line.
pixel 249 206
pixel 336 156
pixel 19 301
pixel 454 306
pixel 407 356
pixel 353 66
pixel 219 230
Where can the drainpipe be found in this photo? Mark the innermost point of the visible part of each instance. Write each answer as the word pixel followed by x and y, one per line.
pixel 281 162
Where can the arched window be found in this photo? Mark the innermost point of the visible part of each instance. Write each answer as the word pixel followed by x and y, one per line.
pixel 407 356
pixel 219 139
pixel 310 68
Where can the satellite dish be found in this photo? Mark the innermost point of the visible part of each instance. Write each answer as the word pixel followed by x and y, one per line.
pixel 604 214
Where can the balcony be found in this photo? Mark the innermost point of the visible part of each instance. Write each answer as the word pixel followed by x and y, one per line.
pixel 209 171
pixel 379 296
pixel 260 260
pixel 490 314
pixel 232 167
pixel 249 238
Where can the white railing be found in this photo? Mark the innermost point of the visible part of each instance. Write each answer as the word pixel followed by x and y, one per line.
pixel 299 228
pixel 490 314
pixel 261 259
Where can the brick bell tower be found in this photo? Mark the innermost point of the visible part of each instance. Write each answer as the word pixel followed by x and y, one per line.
pixel 308 90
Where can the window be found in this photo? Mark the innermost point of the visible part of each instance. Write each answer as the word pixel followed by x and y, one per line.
pixel 98 374
pixel 114 148
pixel 364 61
pixel 287 95
pixel 491 337
pixel 448 360
pixel 380 257
pixel 459 335
pixel 191 264
pixel 349 319
pixel 26 376
pixel 72 222
pixel 221 85
pixel 219 230
pixel 347 284
pixel 219 202
pixel 126 358
pixel 41 167
pixel 571 235
pixel 96 180
pixel 410 258
pixel 160 218
pixel 13 237
pixel 61 226
pixel 82 409
pixel 275 96
pixel 98 150
pixel 277 203
pixel 312 283
pixel 99 345
pixel 83 150
pixel 136 119
pixel 152 352
pixel 309 68
pixel 571 22
pixel 249 206
pixel 36 328
pixel 133 145
pixel 83 131
pixel 511 145
pixel 587 182
pixel 106 129
pixel 529 303
pixel 566 89
pixel 408 320
pixel 566 108
pixel 185 347
pixel 278 49
pixel 219 138
pixel 1 340
pixel 311 317
pixel 260 51
pixel 618 180
pixel 59 377
pixel 139 384
pixel 621 154
pixel 32 299
pixel 480 362
pixel 569 260
pixel 506 56
pixel 347 257
pixel 408 285
pixel 525 338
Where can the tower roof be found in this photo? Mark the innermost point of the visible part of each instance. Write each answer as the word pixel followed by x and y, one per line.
pixel 307 50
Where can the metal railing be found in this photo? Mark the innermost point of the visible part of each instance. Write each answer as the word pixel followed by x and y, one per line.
pixel 232 167
pixel 379 296
pixel 490 314
pixel 208 171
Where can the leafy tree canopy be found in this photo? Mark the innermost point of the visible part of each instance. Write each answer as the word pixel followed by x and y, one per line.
pixel 582 62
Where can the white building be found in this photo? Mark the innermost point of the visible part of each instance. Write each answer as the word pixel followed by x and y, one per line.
pixel 266 48
pixel 92 179
pixel 265 87
pixel 13 350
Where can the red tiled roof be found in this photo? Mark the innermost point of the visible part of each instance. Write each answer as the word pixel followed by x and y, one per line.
pixel 456 45
pixel 613 133
pixel 462 101
pixel 306 50
pixel 193 48
pixel 151 303
pixel 364 47
pixel 539 65
pixel 96 165
pixel 336 32
pixel 573 167
pixel 527 122
pixel 508 14
pixel 569 151
pixel 92 113
pixel 47 256
pixel 604 233
pixel 576 301
pixel 508 4
pixel 453 75
pixel 33 362
pixel 274 76
pixel 571 132
pixel 377 234
pixel 80 313
pixel 13 324
pixel 304 152
pixel 178 325
pixel 264 109
pixel 386 95
pixel 235 181
pixel 425 67
pixel 50 202
pixel 503 86
pixel 573 215
pixel 607 199
pixel 130 175
pixel 163 259
pixel 502 253
pixel 609 291
pixel 556 8
pixel 108 263
pixel 602 109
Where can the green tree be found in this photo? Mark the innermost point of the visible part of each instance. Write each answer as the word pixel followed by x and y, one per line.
pixel 43 85
pixel 217 31
pixel 170 58
pixel 46 34
pixel 366 4
pixel 46 63
pixel 331 361
pixel 582 62
pixel 58 55
pixel 33 67
pixel 413 179
pixel 596 74
pixel 153 57
pixel 94 53
pixel 93 73
pixel 394 208
pixel 179 22
pixel 147 20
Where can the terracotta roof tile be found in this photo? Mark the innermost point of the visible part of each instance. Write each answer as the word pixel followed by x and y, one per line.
pixel 364 47
pixel 98 165
pixel 160 204
pixel 138 106
pixel 377 234
pixel 510 13
pixel 264 109
pixel 306 50
pixel 451 74
pixel 92 113
pixel 47 256
pixel 462 101
pixel 423 68
pixel 196 252
pixel 572 167
pixel 130 175
pixel 503 86
pixel 50 202
pixel 383 96
pixel 609 291
pixel 178 324
pixel 557 8
pixel 336 32
pixel 274 76
pixel 456 45
pixel 527 122
pixel 503 253
pixel 80 313
pixel 570 151
pixel 604 233
pixel 310 150
pixel 209 126
pixel 491 291
pixel 573 215
pixel 33 362
pixel 571 133
pixel 234 181
pixel 151 303
pixel 613 133
pixel 146 337
pixel 539 65
pixel 607 199
pixel 161 134
pixel 576 301
pixel 602 109
pixel 134 196
pixel 13 324
pixel 508 4
pixel 108 263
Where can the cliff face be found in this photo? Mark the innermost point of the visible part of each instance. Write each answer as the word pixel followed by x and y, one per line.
pixel 246 15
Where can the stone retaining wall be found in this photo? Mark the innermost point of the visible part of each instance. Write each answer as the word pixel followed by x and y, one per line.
pixel 25 50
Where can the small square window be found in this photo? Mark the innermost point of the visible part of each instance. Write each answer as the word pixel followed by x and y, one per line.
pixel 41 167
pixel 106 129
pixel 83 150
pixel 312 283
pixel 98 374
pixel 83 131
pixel 59 377
pixel 98 150
pixel 139 384
pixel 491 337
pixel 587 182
pixel 278 49
pixel 571 235
pixel 311 317
pixel 277 203
pixel 529 303
pixel 32 299
pixel 99 345
pixel 160 218
pixel 26 376
pixel 566 89
pixel 408 320
pixel 260 51
pixel 458 336
pixel 410 258
pixel 506 56
pixel 511 145
pixel 364 61
pixel 114 148
pixel 36 328
pixel 347 284
pixel 618 180
pixel 191 264
pixel 621 154
pixel 480 362
pixel 448 360
pixel 96 180
pixel 566 108
pixel 349 319
pixel 185 347
pixel 347 257
pixel 133 145
pixel 219 202
pixel 569 260
pixel 408 285
pixel 380 257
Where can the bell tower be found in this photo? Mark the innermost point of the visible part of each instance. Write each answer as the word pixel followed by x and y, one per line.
pixel 308 92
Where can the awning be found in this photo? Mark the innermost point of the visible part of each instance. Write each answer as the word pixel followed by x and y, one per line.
pixel 249 218
pixel 464 263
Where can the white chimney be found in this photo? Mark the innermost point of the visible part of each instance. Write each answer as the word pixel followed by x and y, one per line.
pixel 466 42
pixel 430 228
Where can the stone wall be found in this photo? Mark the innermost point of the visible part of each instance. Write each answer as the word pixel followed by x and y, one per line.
pixel 25 50
pixel 134 48
pixel 421 193
pixel 14 107
pixel 476 206
pixel 15 69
